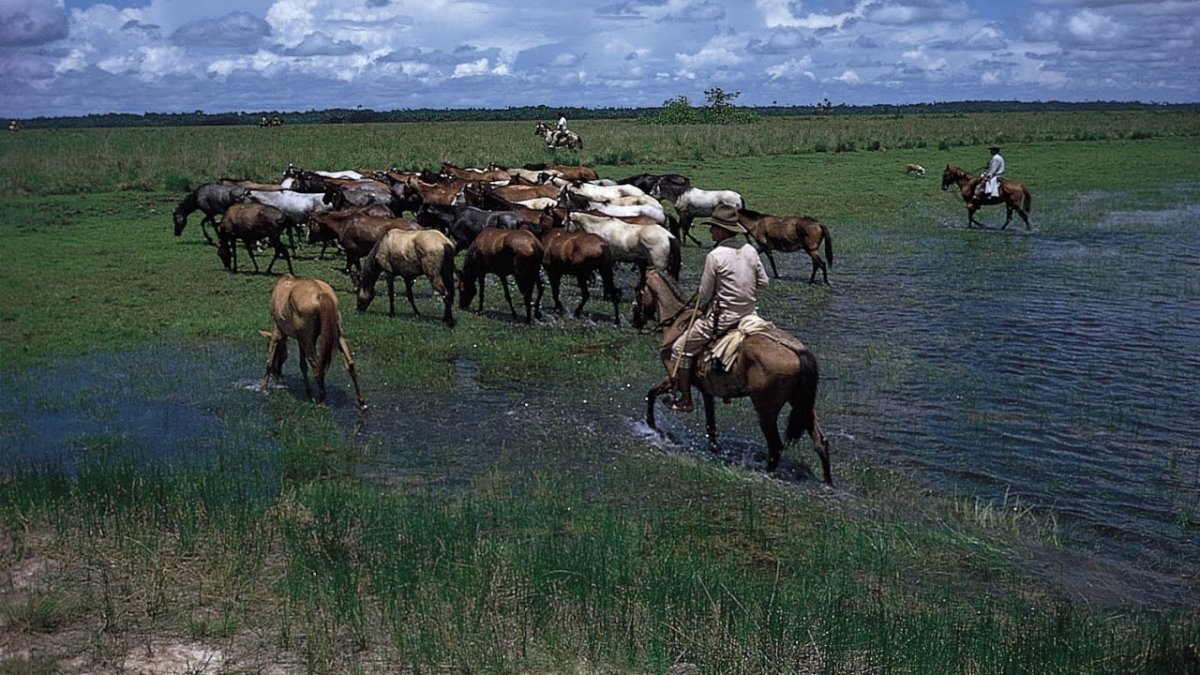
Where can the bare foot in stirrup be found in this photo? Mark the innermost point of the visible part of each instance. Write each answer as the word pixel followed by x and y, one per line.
pixel 682 406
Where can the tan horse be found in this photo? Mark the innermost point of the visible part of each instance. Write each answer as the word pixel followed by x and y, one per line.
pixel 307 309
pixel 787 234
pixel 409 254
pixel 1013 195
pixel 772 368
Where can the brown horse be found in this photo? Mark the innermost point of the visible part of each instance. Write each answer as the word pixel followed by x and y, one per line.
pixel 252 223
pixel 787 234
pixel 409 254
pixel 1013 195
pixel 504 252
pixel 579 254
pixel 307 309
pixel 772 368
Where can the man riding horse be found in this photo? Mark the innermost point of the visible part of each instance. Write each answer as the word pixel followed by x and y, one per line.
pixel 729 285
pixel 989 180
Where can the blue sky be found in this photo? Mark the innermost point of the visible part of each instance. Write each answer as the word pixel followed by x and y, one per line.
pixel 79 57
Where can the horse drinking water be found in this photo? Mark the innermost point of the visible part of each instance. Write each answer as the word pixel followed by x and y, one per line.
pixel 772 368
pixel 307 309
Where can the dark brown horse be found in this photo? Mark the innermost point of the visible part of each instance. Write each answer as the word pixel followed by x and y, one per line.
pixel 581 255
pixel 307 309
pixel 356 230
pixel 772 368
pixel 252 223
pixel 505 253
pixel 1013 195
pixel 787 234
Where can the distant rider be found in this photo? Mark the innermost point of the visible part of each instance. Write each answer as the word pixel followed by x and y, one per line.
pixel 989 180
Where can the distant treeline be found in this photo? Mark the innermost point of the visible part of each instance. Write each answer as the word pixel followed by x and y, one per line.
pixel 364 115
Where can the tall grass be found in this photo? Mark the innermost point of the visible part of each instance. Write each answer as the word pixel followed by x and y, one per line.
pixel 101 160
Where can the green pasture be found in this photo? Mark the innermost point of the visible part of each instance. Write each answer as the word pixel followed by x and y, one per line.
pixel 279 554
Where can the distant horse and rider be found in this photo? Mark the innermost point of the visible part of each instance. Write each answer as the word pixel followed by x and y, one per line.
pixel 1013 195
pixel 558 138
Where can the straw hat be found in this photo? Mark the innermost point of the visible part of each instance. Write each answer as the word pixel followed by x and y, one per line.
pixel 726 217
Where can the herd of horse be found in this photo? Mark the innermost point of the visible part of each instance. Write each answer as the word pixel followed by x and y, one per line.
pixel 544 220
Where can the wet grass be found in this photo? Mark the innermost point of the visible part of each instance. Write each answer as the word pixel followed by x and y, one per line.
pixel 277 553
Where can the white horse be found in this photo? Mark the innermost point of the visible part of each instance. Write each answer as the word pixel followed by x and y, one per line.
pixel 646 246
pixel 296 205
pixel 619 210
pixel 696 203
pixel 558 139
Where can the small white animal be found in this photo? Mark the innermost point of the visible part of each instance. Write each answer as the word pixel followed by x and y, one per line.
pixel 914 169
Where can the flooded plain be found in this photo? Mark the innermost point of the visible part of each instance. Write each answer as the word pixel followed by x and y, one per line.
pixel 1055 370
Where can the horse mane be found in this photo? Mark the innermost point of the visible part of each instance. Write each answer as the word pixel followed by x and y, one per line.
pixel 370 265
pixel 190 203
pixel 752 213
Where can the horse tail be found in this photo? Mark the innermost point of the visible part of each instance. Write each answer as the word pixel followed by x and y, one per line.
pixel 674 257
pixel 803 397
pixel 1028 201
pixel 447 271
pixel 828 244
pixel 331 330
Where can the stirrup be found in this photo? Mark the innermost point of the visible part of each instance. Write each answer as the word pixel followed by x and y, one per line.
pixel 682 406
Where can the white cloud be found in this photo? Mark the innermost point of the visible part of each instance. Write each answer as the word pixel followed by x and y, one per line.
pixel 1088 26
pixel 848 77
pixel 793 69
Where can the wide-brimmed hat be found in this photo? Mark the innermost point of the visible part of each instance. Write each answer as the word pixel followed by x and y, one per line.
pixel 725 216
pixel 993 147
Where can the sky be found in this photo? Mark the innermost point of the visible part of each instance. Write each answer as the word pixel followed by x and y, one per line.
pixel 78 57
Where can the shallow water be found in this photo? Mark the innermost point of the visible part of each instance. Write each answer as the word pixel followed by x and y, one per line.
pixel 1056 368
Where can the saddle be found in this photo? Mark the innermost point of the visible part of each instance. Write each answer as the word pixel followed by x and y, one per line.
pixel 716 363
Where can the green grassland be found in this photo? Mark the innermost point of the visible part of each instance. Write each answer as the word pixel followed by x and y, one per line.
pixel 279 556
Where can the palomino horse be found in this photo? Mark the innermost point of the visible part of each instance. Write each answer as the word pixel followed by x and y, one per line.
pixel 408 254
pixel 555 138
pixel 1014 196
pixel 772 368
pixel 307 309
pixel 579 254
pixel 505 253
pixel 787 234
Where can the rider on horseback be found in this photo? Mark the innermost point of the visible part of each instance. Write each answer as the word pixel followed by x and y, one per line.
pixel 729 285
pixel 989 180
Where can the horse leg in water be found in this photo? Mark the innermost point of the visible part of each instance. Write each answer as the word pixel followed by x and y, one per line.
pixel 710 421
pixel 661 389
pixel 768 405
pixel 972 207
pixel 817 264
pixel 771 259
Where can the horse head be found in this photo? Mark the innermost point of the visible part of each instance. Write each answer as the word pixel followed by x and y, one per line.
pixel 952 176
pixel 180 219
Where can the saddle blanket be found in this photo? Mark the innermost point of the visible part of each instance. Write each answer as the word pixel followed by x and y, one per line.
pixel 725 350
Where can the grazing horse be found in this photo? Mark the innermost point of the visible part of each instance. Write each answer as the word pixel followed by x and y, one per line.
pixel 772 368
pixel 503 253
pixel 787 234
pixel 647 246
pixel 571 172
pixel 463 223
pixel 306 309
pixel 408 254
pixel 252 223
pixel 692 203
pixel 658 184
pixel 556 138
pixel 212 199
pixel 356 232
pixel 579 254
pixel 1013 195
